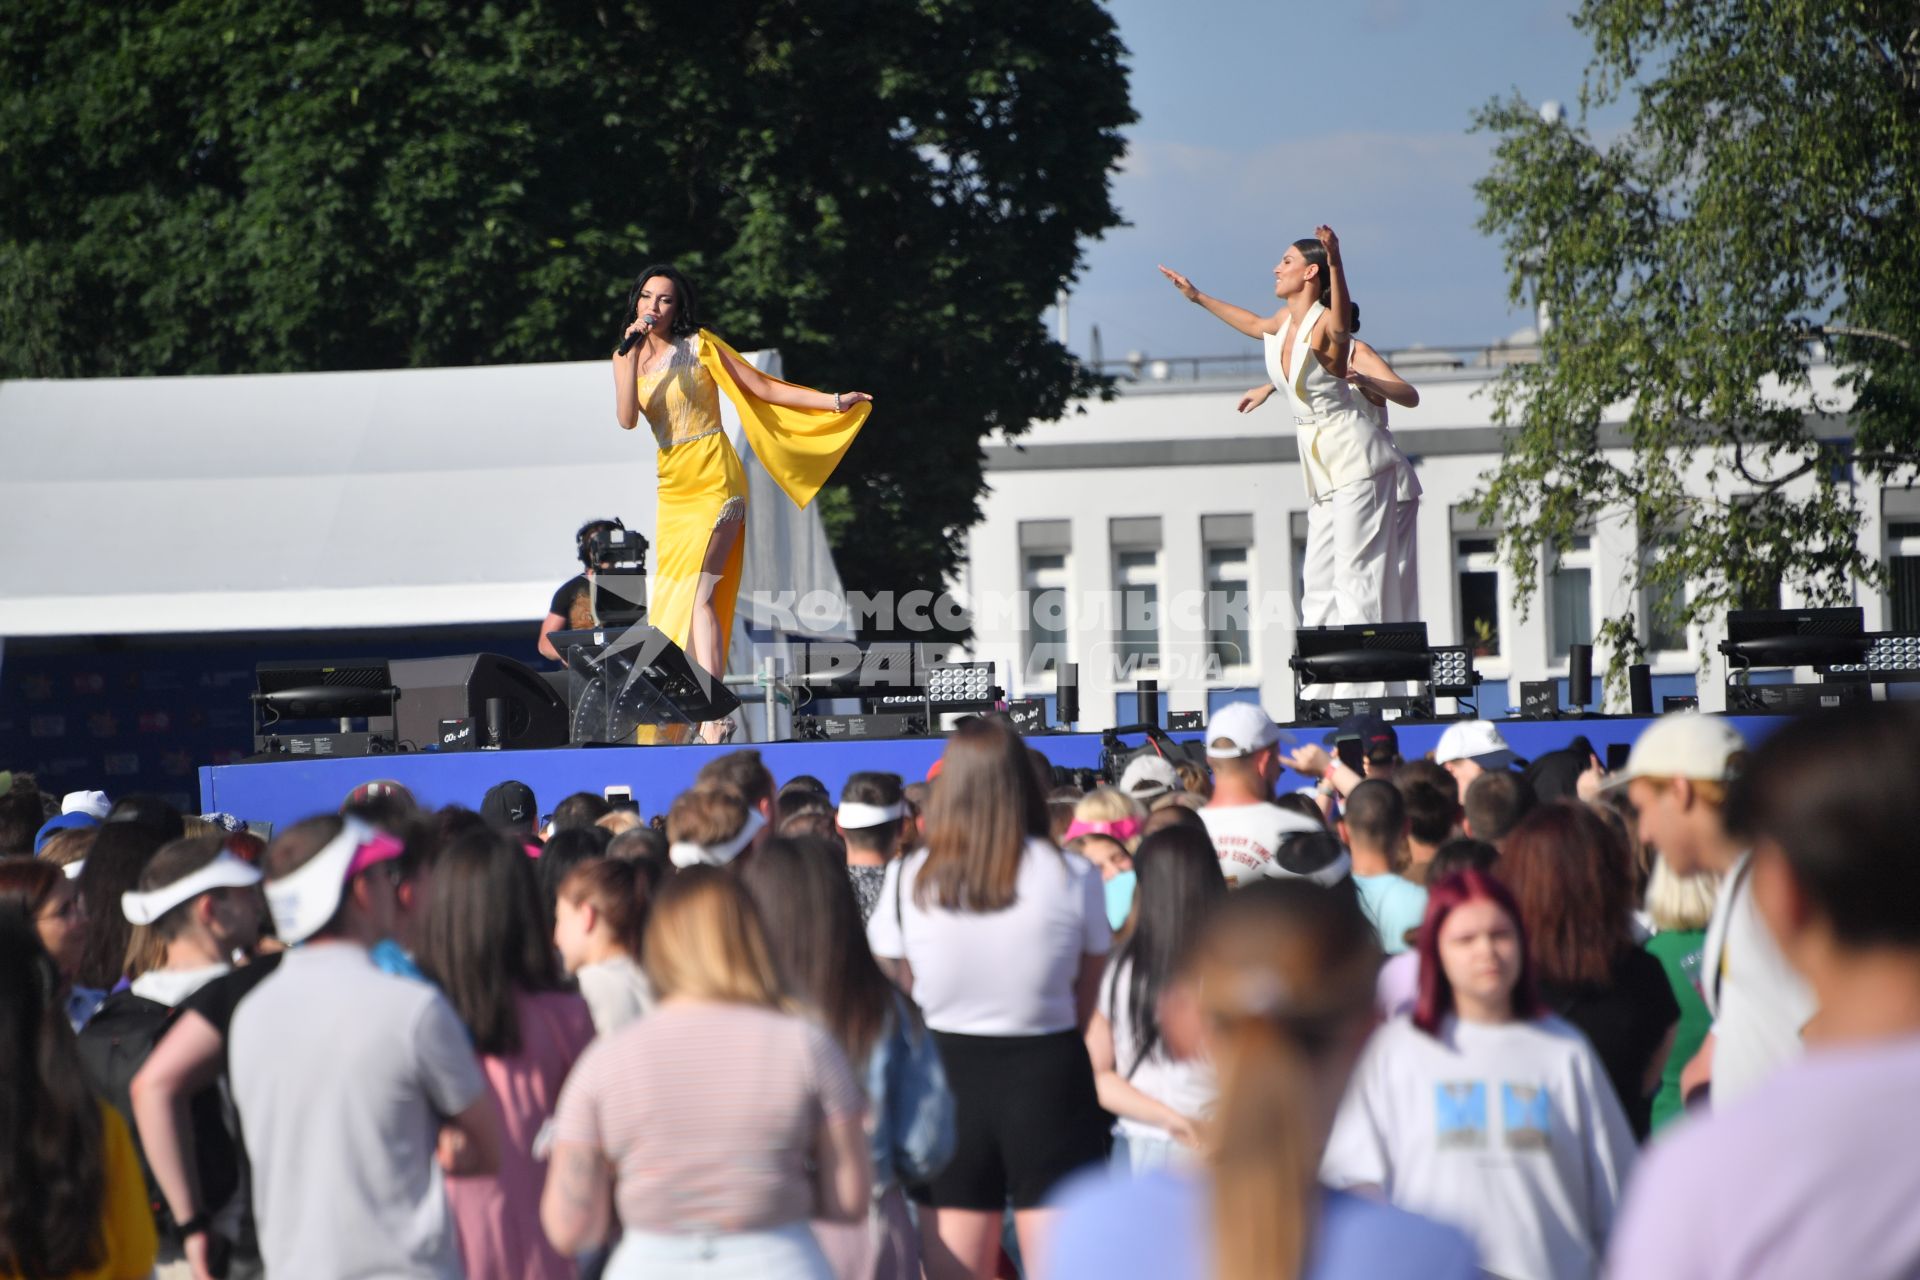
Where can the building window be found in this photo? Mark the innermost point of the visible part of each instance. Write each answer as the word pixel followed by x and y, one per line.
pixel 1570 598
pixel 1476 568
pixel 1903 577
pixel 1663 606
pixel 1044 549
pixel 1136 578
pixel 1229 577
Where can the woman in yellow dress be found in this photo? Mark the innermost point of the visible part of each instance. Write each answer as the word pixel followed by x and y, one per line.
pixel 673 376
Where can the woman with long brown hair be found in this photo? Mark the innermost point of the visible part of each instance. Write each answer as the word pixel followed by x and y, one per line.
pixel 718 1125
pixel 1277 993
pixel 1000 938
pixel 1574 881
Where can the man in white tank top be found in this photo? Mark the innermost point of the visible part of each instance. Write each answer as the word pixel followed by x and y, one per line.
pixel 1350 464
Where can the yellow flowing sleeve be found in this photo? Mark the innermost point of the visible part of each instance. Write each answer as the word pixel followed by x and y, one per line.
pixel 798 447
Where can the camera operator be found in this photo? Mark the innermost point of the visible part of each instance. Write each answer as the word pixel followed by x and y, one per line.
pixel 572 607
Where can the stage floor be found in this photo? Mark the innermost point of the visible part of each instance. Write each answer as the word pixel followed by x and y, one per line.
pixel 284 792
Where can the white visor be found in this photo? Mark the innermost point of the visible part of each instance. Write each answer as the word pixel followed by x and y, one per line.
pixel 854 816
pixel 302 901
pixel 688 854
pixel 224 872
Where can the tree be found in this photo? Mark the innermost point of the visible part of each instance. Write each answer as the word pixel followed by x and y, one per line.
pixel 1762 205
pixel 890 193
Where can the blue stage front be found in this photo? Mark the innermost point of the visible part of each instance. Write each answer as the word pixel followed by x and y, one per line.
pixel 286 791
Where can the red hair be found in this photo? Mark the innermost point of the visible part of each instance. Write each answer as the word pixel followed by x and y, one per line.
pixel 1436 993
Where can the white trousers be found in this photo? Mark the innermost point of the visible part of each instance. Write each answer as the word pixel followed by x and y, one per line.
pixel 1349 555
pixel 1403 561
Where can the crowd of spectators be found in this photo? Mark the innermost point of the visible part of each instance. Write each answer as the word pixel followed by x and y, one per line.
pixel 1466 1014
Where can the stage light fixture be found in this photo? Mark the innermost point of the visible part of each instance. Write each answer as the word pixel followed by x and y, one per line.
pixel 960 682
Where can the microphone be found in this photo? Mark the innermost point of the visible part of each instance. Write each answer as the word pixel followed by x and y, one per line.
pixel 626 343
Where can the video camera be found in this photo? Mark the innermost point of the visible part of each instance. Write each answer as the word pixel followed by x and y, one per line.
pixel 1116 755
pixel 617 548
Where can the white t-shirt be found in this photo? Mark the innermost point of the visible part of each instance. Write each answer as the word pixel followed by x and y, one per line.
pixel 1189 1087
pixel 997 973
pixel 343 1075
pixel 1511 1133
pixel 1247 836
pixel 616 992
pixel 1759 1003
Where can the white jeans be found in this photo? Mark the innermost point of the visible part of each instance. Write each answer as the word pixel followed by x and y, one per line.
pixel 1402 601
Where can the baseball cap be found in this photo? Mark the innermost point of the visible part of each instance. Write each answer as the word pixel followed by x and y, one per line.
pixel 1149 777
pixel 92 803
pixel 1475 740
pixel 511 805
pixel 1244 727
pixel 1685 744
pixel 61 823
pixel 1377 737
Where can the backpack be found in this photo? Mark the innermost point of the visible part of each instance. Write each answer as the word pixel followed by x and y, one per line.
pixel 114 1045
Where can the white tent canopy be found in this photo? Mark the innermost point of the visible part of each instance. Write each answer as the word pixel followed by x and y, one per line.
pixel 400 498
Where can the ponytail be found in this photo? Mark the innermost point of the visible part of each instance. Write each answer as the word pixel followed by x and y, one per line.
pixel 1284 975
pixel 1264 1157
pixel 1316 255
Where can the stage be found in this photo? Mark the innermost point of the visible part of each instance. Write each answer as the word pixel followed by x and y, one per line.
pixel 284 792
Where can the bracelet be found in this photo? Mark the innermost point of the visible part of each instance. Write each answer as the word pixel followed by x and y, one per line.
pixel 836 403
pixel 196 1225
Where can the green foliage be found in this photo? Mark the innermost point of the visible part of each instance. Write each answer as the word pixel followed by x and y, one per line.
pixel 1763 200
pixel 891 193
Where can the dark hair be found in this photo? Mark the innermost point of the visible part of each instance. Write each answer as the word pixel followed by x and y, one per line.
pixel 1436 992
pixel 1433 800
pixel 455 820
pixel 591 527
pixel 120 853
pixel 22 814
pixel 621 891
pixel 1316 255
pixel 646 845
pixel 1462 853
pixel 1495 802
pixel 176 860
pixel 1294 802
pixel 1172 815
pixel 1178 886
pixel 743 771
pixel 813 929
pixel 882 790
pixel 1833 793
pixel 789 805
pixel 805 782
pixel 987 806
pixel 148 811
pixel 814 824
pixel 686 316
pixel 1375 812
pixel 1568 872
pixel 53 1182
pixel 566 850
pixel 482 940
pixel 581 809
pixel 27 884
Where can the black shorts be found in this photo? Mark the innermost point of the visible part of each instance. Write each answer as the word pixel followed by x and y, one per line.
pixel 1025 1116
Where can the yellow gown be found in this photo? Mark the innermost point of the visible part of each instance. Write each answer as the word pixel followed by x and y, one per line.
pixel 702 484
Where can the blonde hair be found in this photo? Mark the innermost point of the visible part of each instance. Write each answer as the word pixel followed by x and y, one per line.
pixel 619 822
pixel 1195 778
pixel 704 940
pixel 1284 973
pixel 1678 903
pixel 1711 791
pixel 194 826
pixel 68 846
pixel 1107 804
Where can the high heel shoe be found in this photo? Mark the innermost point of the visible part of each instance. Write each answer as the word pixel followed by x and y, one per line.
pixel 717 733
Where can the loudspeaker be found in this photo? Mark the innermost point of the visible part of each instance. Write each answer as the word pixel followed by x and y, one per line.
pixel 528 714
pixel 1579 674
pixel 1640 688
pixel 1146 703
pixel 1067 693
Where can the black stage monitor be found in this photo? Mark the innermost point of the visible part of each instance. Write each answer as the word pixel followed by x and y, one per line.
pixel 1363 654
pixel 527 713
pixel 1795 637
pixel 322 690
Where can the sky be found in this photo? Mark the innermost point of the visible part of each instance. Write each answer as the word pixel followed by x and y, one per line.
pixel 1243 144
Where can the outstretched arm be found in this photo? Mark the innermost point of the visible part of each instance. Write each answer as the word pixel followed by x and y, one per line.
pixel 1239 317
pixel 760 386
pixel 1371 373
pixel 1333 339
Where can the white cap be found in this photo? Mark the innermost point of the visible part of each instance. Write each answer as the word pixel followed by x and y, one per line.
pixel 224 872
pixel 1149 778
pixel 1685 744
pixel 1245 726
pixel 92 803
pixel 854 816
pixel 1475 740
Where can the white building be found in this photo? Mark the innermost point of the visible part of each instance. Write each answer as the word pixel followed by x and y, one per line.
pixel 1166 492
